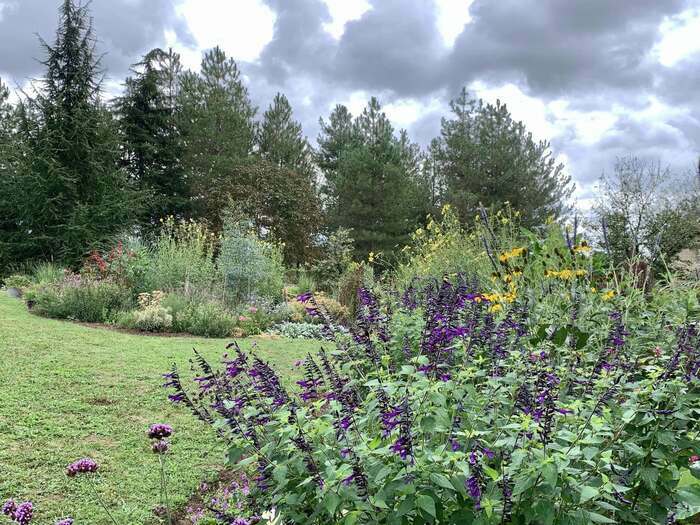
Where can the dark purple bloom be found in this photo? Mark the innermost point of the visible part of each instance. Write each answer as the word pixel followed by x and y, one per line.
pixel 9 507
pixel 160 431
pixel 24 512
pixel 305 297
pixel 473 484
pixel 454 444
pixel 82 466
pixel 160 447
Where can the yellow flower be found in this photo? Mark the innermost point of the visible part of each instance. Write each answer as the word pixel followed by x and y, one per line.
pixel 593 289
pixel 608 295
pixel 370 257
pixel 495 308
pixel 582 248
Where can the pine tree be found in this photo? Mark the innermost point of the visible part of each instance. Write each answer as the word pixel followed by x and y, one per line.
pixel 149 119
pixel 281 140
pixel 217 124
pixel 372 180
pixel 70 194
pixel 486 156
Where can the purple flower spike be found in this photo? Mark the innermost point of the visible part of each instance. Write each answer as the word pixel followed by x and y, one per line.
pixel 82 466
pixel 65 521
pixel 160 431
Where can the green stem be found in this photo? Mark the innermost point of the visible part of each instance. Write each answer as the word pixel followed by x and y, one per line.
pixel 164 489
pixel 91 483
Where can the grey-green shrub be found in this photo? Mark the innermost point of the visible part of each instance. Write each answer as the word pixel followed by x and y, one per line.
pixel 251 268
pixel 299 330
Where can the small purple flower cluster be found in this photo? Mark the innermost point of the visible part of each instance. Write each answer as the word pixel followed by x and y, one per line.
pixel 19 513
pixel 82 466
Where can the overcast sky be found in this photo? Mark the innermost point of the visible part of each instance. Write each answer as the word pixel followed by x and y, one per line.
pixel 598 78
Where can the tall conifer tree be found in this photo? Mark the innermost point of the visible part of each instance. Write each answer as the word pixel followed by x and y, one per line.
pixel 483 155
pixel 149 118
pixel 372 179
pixel 70 195
pixel 281 140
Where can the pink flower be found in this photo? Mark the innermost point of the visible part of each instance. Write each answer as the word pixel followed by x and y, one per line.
pixel 242 318
pixel 693 459
pixel 252 309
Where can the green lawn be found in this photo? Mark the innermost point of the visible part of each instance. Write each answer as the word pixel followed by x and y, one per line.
pixel 68 391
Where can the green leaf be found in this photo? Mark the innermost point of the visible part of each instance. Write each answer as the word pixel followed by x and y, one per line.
pixel 280 473
pixel 427 504
pixel 352 518
pixel 235 454
pixel 441 480
pixel 588 493
pixel 330 502
pixel 594 517
pixel 544 511
pixel 383 473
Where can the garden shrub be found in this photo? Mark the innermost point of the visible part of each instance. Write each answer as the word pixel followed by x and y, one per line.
pixel 47 273
pixel 93 301
pixel 207 319
pixel 533 397
pixel 151 315
pixel 299 330
pixel 17 281
pixel 336 256
pixel 181 258
pixel 356 276
pixel 251 268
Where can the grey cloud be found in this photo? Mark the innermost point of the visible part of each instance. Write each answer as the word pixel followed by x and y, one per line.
pixel 125 30
pixel 557 48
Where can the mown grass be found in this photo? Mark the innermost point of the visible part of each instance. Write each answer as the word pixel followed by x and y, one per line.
pixel 69 391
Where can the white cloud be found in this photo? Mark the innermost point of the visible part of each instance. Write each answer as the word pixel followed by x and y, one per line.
pixel 452 16
pixel 242 28
pixel 679 37
pixel 342 12
pixel 406 111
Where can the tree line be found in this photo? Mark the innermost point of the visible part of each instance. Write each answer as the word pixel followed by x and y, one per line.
pixel 77 170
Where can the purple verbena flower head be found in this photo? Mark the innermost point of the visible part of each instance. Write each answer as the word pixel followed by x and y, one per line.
pixel 65 521
pixel 160 431
pixel 24 512
pixel 160 447
pixel 9 507
pixel 82 466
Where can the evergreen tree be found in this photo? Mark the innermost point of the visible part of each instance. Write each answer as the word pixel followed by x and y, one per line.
pixel 69 194
pixel 485 156
pixel 217 123
pixel 372 179
pixel 150 133
pixel 281 140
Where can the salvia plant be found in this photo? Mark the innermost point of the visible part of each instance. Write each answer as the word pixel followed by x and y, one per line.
pixel 564 408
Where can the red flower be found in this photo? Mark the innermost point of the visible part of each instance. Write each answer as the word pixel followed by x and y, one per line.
pixel 693 459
